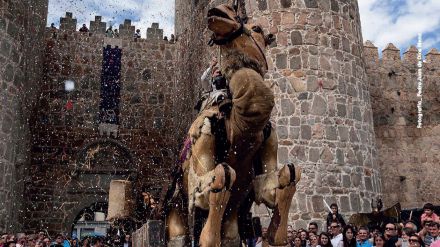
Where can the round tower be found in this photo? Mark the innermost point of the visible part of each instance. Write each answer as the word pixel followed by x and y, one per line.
pixel 22 24
pixel 323 113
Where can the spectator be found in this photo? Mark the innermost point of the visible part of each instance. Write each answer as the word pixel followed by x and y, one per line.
pixel 3 239
pixel 109 33
pixel 406 232
pixel 53 30
pixel 290 238
pixel 84 29
pixel 59 239
pixel 411 224
pixel 335 229
pixel 324 240
pixel 334 215
pixel 10 244
pixel 127 241
pixel 97 242
pixel 379 241
pixel 363 238
pixel 428 214
pixel 313 240
pixel 432 235
pixel 116 33
pixel 137 35
pixel 415 241
pixel 390 235
pixel 348 239
pixel 46 241
pixel 172 38
pixel 304 237
pixel 313 227
pixel 85 242
pixel 297 242
pixel 165 38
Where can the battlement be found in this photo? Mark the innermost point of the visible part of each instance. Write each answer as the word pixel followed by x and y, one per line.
pixel 391 54
pixel 68 24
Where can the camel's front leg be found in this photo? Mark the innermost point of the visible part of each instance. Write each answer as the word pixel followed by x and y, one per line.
pixel 277 231
pixel 224 177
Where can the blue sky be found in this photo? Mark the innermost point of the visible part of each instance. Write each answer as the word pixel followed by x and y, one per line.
pixel 396 21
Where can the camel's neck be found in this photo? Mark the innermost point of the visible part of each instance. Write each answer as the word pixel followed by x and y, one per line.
pixel 234 60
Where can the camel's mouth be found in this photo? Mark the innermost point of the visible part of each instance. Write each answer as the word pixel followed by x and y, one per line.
pixel 215 12
pixel 222 19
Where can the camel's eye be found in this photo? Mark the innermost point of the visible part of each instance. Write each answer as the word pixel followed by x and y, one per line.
pixel 257 29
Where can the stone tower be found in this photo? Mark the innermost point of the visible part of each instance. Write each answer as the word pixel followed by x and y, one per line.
pixel 22 25
pixel 323 112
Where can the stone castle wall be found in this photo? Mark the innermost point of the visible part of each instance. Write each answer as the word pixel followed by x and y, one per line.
pixel 323 111
pixel 73 158
pixel 21 41
pixel 408 157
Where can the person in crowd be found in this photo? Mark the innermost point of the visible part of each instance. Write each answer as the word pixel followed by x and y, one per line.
pixel 297 242
pixel 85 242
pixel 428 214
pixel 109 32
pixel 324 240
pixel 313 227
pixel 335 229
pixel 304 235
pixel 39 243
pixel 116 33
pixel 431 235
pixel 3 239
pixel 379 240
pixel 363 237
pixel 127 241
pixel 334 215
pixel 403 241
pixel 290 238
pixel 313 238
pixel 348 237
pixel 415 241
pixel 84 29
pixel 46 241
pixel 59 240
pixel 97 242
pixel 11 244
pixel 410 224
pixel 137 34
pixel 390 235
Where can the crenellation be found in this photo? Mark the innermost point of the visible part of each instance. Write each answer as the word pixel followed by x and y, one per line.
pixel 371 54
pixel 154 32
pixel 410 55
pixel 126 30
pixel 433 57
pixel 391 53
pixel 68 23
pixel 98 26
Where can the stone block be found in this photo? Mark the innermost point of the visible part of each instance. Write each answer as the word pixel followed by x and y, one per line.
pixel 341 110
pixel 287 107
pixel 345 204
pixel 311 3
pixel 281 61
pixel 306 132
pixel 282 132
pixel 330 133
pixel 319 106
pixel 343 133
pixel 296 38
pixel 305 108
pixel 295 63
pixel 340 159
pixel 355 202
pixel 326 155
pixel 317 203
pixel 314 155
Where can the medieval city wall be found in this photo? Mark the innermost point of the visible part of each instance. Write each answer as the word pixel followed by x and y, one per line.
pixel 408 156
pixel 74 154
pixel 21 40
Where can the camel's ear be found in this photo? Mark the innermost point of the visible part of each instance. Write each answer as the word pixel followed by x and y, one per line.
pixel 269 39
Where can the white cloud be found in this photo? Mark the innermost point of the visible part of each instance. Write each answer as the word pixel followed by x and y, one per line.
pixel 399 22
pixel 141 12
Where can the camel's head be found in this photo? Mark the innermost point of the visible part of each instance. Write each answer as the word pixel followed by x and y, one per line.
pixel 229 30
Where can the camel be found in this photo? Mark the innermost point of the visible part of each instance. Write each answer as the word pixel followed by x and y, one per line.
pixel 230 157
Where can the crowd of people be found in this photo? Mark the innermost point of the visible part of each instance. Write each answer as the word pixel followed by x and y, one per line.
pixel 340 234
pixel 43 240
pixel 337 234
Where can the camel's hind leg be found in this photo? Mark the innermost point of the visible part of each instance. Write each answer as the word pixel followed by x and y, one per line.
pixel 224 177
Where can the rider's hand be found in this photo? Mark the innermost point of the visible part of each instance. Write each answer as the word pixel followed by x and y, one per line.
pixel 213 62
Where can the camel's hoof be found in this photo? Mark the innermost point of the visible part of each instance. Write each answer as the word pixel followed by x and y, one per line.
pixel 288 175
pixel 224 177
